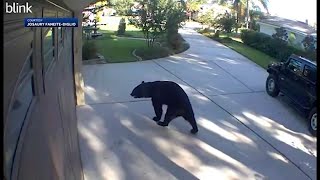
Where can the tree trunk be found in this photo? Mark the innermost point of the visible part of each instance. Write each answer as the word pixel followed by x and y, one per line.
pixel 247 19
pixel 238 17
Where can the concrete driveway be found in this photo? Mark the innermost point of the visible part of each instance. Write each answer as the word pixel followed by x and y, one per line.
pixel 243 133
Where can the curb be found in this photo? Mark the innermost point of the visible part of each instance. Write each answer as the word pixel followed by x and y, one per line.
pixel 99 60
pixel 136 56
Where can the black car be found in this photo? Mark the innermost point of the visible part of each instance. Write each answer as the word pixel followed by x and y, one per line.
pixel 297 79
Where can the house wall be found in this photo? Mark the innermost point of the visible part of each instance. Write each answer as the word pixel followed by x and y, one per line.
pixel 298 40
pixel 268 29
pixel 40 124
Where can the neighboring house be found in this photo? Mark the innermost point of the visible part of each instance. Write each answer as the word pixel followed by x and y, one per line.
pixel 296 30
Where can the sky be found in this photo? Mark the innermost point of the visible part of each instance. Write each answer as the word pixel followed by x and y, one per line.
pixel 294 9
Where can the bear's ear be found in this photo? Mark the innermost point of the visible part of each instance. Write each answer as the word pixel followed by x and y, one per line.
pixel 142 82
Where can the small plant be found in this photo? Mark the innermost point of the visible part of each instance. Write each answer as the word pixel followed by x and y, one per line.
pixel 217 34
pixel 280 34
pixel 89 50
pixel 309 43
pixel 121 27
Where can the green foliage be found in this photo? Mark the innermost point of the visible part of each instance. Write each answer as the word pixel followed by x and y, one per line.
pixel 274 47
pixel 280 34
pixel 151 20
pixel 206 18
pixel 175 16
pixel 89 50
pixel 254 17
pixel 194 5
pixel 309 43
pixel 159 17
pixel 291 39
pixel 240 8
pixel 226 22
pixel 122 6
pixel 121 27
pixel 152 52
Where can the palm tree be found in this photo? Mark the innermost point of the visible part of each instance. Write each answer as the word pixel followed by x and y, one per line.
pixel 264 5
pixel 239 7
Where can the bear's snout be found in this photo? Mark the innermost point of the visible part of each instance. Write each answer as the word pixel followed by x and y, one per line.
pixel 133 95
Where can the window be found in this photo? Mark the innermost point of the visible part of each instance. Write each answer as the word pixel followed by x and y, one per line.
pixel 23 96
pixel 48 47
pixel 310 73
pixel 295 66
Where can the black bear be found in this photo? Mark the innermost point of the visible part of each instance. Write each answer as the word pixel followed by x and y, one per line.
pixel 170 94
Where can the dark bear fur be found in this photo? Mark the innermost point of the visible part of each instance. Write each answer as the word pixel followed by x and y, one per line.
pixel 170 94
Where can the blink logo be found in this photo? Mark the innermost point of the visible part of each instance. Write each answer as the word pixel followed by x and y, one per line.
pixel 18 8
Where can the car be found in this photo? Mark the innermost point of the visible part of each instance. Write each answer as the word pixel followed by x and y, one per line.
pixel 296 78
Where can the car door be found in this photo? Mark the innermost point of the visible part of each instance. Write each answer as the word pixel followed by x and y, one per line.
pixel 291 80
pixel 309 77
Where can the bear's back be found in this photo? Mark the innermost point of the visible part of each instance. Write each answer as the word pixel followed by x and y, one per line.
pixel 170 93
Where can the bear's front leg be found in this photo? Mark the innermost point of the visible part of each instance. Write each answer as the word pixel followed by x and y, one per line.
pixel 170 114
pixel 157 109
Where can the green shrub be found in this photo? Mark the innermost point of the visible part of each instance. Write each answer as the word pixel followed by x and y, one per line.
pixel 121 27
pixel 174 40
pixel 148 53
pixel 89 50
pixel 226 22
pixel 275 48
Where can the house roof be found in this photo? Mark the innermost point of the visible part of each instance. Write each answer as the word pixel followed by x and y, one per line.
pixel 289 24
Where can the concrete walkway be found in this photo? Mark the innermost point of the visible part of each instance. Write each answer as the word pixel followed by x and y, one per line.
pixel 243 133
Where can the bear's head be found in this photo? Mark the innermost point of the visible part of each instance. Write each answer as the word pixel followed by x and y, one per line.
pixel 142 90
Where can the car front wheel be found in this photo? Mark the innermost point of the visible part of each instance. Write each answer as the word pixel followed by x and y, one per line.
pixel 312 118
pixel 272 86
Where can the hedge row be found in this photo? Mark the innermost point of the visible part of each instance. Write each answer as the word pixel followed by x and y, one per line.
pixel 275 48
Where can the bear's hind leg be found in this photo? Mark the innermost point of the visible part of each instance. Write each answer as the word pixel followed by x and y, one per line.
pixel 192 122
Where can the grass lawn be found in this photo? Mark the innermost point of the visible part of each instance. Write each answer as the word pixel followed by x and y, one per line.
pixel 131 30
pixel 117 50
pixel 254 55
pixel 236 44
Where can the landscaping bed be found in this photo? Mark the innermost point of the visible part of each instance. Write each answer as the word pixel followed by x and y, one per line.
pixel 163 49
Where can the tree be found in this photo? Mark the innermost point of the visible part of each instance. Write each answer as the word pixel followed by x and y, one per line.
pixel 194 6
pixel 309 43
pixel 264 5
pixel 123 6
pixel 254 17
pixel 175 16
pixel 159 16
pixel 241 6
pixel 226 22
pixel 206 18
pixel 281 34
